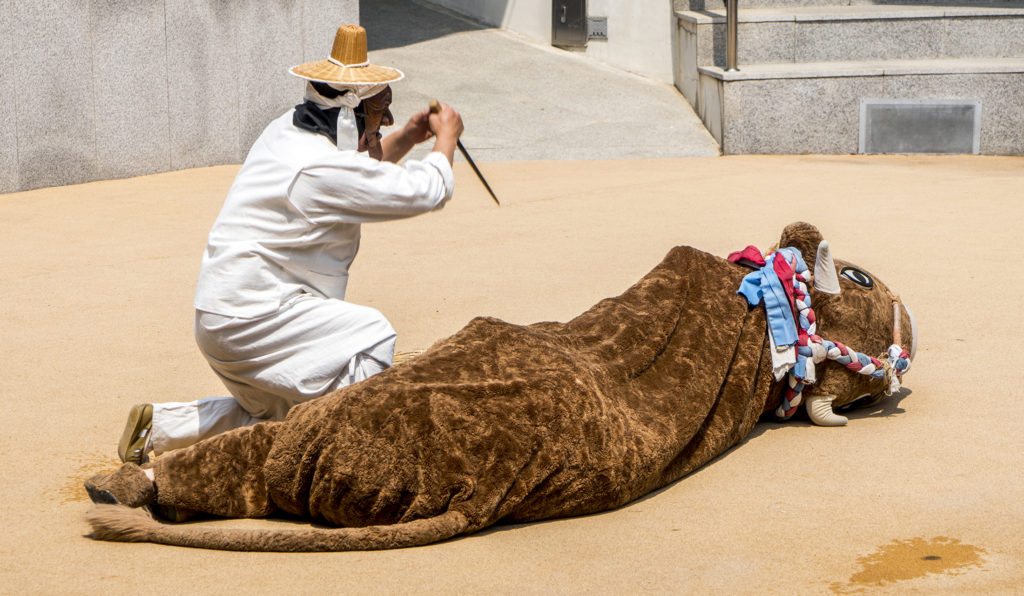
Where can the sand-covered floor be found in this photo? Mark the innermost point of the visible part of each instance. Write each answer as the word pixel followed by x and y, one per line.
pixel 922 495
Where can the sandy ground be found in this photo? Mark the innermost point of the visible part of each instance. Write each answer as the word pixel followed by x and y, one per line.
pixel 96 293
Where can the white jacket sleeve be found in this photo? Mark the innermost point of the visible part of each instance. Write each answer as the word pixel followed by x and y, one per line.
pixel 360 189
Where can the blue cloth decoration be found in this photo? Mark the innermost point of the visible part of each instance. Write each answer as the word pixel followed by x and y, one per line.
pixel 764 285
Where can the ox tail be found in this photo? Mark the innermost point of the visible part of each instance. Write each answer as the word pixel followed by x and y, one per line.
pixel 125 524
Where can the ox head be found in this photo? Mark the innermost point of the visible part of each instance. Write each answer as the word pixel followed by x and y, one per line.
pixel 854 307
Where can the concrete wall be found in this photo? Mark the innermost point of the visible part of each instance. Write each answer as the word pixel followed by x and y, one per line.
pixel 641 33
pixel 98 89
pixel 641 36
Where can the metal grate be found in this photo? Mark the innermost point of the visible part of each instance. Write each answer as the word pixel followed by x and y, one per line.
pixel 919 125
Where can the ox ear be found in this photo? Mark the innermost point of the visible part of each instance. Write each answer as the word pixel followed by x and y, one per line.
pixel 815 250
pixel 804 237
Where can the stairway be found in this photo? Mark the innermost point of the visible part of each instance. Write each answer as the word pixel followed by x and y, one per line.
pixel 860 76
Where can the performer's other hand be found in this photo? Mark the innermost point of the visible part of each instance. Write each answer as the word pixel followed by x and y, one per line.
pixel 417 129
pixel 447 123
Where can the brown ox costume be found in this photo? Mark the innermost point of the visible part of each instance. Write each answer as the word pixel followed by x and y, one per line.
pixel 509 423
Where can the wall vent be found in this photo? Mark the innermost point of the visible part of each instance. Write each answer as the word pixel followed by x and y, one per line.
pixel 919 125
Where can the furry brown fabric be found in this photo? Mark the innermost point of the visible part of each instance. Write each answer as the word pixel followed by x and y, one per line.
pixel 502 422
pixel 225 477
pixel 128 486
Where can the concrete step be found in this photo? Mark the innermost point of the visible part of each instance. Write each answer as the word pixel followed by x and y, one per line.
pixel 817 107
pixel 867 68
pixel 717 4
pixel 860 32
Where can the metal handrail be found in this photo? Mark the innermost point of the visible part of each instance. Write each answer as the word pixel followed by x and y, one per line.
pixel 731 27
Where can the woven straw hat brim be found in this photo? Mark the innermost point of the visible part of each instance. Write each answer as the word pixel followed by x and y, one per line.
pixel 325 71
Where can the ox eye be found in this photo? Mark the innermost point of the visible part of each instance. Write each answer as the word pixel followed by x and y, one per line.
pixel 858 277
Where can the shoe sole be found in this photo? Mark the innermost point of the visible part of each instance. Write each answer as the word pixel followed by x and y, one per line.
pixel 131 447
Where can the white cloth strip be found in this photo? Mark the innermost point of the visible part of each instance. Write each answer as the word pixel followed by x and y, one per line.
pixel 783 358
pixel 333 61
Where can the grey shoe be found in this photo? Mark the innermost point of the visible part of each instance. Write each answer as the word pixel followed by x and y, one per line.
pixel 128 486
pixel 135 439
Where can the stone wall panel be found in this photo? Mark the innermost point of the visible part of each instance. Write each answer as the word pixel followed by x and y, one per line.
pixel 799 115
pixel 130 86
pixel 97 89
pixel 269 43
pixel 54 93
pixel 8 101
pixel 203 76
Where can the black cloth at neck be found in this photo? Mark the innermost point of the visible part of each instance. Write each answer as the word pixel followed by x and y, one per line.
pixel 326 90
pixel 311 117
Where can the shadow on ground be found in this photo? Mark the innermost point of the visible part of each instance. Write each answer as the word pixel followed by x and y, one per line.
pixel 398 23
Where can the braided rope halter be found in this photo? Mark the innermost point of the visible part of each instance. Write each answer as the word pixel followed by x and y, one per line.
pixel 811 349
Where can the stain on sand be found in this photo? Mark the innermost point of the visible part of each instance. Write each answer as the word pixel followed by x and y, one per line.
pixel 903 560
pixel 81 468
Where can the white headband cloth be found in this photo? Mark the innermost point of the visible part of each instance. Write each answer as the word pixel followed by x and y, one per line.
pixel 333 61
pixel 350 96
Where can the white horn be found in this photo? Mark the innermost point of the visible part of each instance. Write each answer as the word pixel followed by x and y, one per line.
pixel 819 408
pixel 825 278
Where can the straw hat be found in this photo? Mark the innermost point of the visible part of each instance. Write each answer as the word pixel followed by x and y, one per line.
pixel 348 63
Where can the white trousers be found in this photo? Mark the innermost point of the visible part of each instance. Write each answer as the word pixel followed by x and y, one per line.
pixel 311 346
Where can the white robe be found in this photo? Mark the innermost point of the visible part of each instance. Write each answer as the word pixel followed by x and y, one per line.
pixel 270 312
